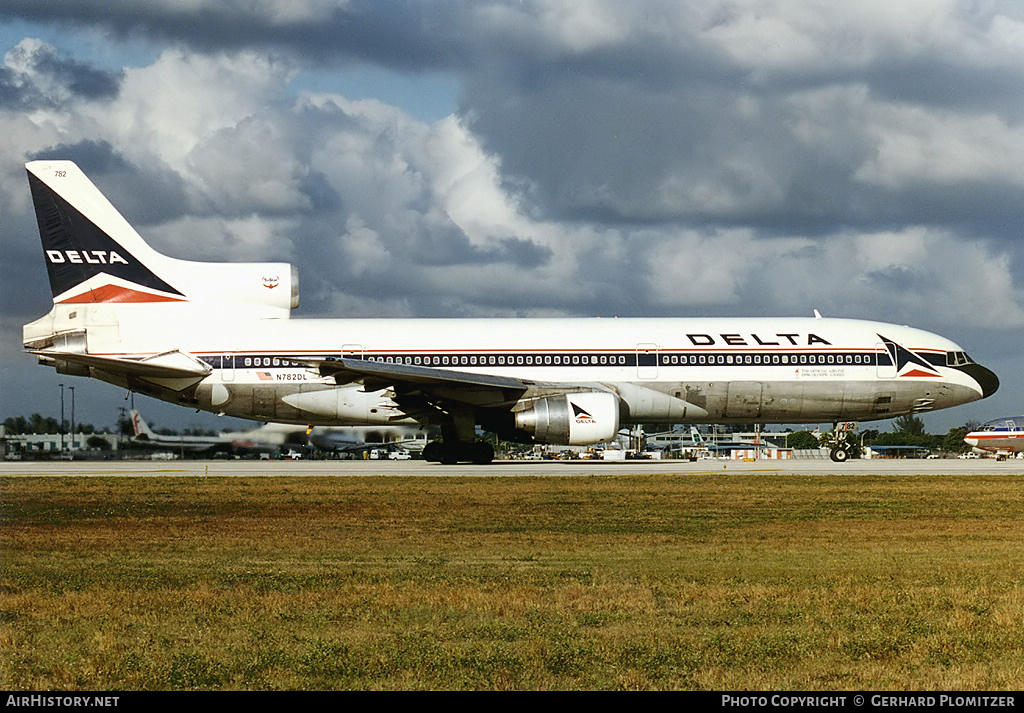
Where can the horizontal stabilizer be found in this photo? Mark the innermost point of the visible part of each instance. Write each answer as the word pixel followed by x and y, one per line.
pixel 169 365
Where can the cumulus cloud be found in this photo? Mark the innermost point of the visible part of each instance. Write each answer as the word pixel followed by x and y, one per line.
pixel 915 145
pixel 34 75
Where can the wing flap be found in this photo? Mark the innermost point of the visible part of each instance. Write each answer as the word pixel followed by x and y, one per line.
pixel 422 392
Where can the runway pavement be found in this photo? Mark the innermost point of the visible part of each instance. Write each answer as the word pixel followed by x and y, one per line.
pixel 350 468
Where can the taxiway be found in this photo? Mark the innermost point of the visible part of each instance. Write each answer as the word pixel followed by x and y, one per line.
pixel 350 468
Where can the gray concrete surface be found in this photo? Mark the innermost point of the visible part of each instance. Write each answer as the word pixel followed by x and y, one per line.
pixel 950 467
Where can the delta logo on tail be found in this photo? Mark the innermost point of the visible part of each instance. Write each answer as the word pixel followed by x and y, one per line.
pixel 85 264
pixel 902 358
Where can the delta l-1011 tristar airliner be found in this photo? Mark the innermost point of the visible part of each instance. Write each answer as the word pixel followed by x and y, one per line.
pixel 218 337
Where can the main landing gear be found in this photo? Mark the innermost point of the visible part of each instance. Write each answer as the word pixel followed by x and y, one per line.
pixel 450 453
pixel 459 444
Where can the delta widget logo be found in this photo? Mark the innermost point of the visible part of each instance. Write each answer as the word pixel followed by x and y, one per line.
pixel 902 358
pixel 580 414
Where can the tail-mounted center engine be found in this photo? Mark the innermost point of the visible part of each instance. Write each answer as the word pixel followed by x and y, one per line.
pixel 575 419
pixel 274 285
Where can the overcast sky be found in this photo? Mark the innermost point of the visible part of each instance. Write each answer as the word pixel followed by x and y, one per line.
pixel 755 158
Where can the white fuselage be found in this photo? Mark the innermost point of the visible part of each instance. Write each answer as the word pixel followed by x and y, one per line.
pixel 665 370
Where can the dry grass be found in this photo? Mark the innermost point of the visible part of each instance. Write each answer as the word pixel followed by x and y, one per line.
pixel 689 582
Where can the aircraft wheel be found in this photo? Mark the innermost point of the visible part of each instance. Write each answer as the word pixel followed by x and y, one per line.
pixel 840 455
pixel 449 454
pixel 433 451
pixel 481 453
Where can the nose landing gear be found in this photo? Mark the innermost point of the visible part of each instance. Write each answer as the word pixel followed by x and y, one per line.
pixel 842 449
pixel 839 455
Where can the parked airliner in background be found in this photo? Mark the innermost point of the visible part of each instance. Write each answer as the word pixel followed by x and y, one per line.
pixel 143 434
pixel 1004 436
pixel 271 437
pixel 360 439
pixel 218 337
pixel 267 438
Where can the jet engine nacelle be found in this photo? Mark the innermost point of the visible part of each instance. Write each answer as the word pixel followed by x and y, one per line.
pixel 272 284
pixel 344 405
pixel 576 419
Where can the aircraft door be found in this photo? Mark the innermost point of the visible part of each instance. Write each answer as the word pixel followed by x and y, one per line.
pixel 886 369
pixel 647 361
pixel 351 351
pixel 227 367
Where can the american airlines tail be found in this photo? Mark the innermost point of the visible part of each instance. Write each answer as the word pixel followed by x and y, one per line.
pixel 93 255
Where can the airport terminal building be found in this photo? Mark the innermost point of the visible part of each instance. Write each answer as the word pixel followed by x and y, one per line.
pixel 54 445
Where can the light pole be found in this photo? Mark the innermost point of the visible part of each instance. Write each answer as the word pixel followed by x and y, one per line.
pixel 61 417
pixel 72 388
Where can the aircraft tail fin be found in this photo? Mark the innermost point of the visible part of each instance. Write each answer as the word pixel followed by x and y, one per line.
pixel 140 428
pixel 94 255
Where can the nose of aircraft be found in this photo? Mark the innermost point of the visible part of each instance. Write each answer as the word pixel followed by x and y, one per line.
pixel 988 381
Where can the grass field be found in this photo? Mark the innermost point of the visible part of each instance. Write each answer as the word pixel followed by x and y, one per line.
pixel 633 582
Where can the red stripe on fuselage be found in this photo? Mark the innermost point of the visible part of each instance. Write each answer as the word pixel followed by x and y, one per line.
pixel 918 372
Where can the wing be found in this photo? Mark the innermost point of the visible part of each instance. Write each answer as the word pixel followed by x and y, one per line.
pixel 379 374
pixel 426 394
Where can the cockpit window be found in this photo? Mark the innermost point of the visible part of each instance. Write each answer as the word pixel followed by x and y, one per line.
pixel 1000 425
pixel 958 359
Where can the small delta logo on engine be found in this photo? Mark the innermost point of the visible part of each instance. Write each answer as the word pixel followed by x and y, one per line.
pixel 580 414
pixel 271 282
